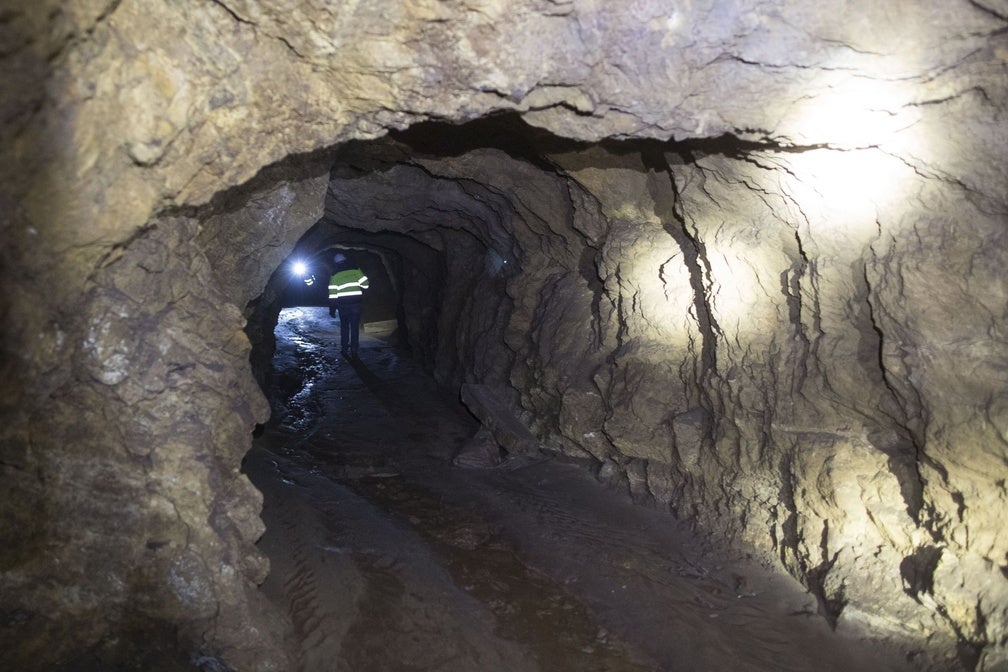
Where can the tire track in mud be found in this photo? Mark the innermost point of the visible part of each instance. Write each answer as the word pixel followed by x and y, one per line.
pixel 317 592
pixel 317 622
pixel 364 594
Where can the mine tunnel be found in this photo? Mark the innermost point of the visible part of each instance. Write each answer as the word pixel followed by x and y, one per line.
pixel 685 346
pixel 410 471
pixel 502 311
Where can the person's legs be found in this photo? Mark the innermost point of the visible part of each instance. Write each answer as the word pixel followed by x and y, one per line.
pixel 350 313
pixel 354 325
pixel 344 328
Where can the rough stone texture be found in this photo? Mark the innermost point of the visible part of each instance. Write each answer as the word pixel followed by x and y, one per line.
pixel 480 452
pixel 787 325
pixel 715 348
pixel 130 474
pixel 485 403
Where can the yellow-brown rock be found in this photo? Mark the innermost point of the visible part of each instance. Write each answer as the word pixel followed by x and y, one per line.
pixel 755 266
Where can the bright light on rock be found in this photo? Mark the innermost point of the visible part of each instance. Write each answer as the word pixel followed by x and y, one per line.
pixel 850 113
pixel 847 189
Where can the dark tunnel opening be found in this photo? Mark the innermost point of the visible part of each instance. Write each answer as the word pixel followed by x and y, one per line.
pixel 438 262
pixel 460 232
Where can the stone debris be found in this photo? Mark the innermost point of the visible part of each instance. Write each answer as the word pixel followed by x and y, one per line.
pixel 480 452
pixel 500 422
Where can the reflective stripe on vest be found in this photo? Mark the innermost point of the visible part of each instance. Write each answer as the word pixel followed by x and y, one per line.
pixel 347 283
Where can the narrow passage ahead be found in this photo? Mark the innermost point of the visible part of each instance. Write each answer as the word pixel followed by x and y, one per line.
pixel 388 557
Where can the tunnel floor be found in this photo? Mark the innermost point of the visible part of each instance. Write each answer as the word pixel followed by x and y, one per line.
pixel 388 557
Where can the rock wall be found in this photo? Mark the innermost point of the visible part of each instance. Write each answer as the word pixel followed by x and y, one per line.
pixel 759 381
pixel 128 476
pixel 786 324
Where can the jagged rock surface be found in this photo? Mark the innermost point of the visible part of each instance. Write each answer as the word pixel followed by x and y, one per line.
pixel 683 323
pixel 788 325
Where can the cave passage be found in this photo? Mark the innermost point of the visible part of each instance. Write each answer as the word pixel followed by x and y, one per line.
pixel 735 266
pixel 539 281
pixel 387 556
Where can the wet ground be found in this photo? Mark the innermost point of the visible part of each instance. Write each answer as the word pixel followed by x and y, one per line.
pixel 388 557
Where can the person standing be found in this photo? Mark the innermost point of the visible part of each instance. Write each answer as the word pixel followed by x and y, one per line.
pixel 346 294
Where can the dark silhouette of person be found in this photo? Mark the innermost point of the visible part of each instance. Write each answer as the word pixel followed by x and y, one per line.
pixel 346 294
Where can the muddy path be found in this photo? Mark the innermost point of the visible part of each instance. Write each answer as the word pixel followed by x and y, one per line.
pixel 388 557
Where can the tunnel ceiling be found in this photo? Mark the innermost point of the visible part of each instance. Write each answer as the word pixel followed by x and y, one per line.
pixel 756 277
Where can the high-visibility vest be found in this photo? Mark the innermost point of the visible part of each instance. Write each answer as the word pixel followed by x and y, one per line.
pixel 351 282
